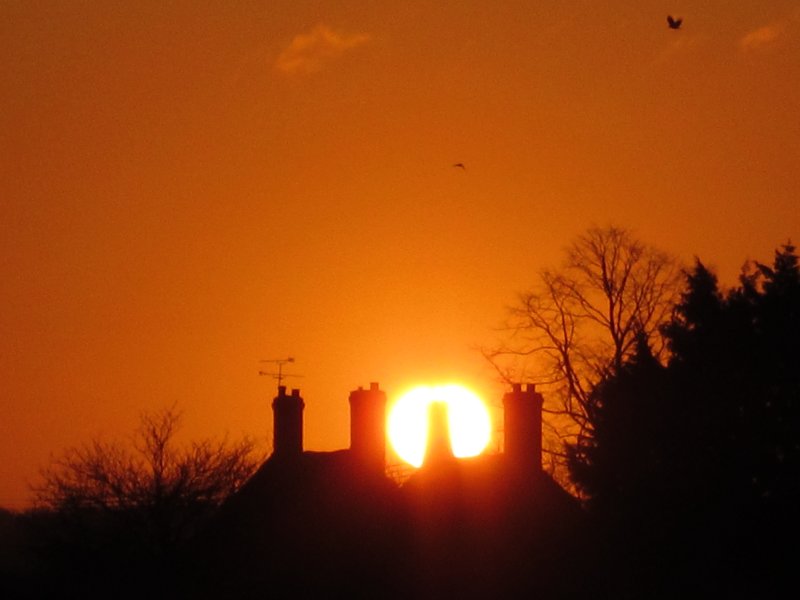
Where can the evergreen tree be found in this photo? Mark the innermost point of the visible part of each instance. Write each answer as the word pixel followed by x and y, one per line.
pixel 702 456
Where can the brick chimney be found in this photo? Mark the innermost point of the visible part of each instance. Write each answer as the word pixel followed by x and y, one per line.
pixel 438 450
pixel 522 416
pixel 368 426
pixel 287 418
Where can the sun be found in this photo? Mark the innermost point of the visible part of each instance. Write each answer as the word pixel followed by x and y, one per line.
pixel 468 421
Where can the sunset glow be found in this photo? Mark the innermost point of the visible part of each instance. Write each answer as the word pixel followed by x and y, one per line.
pixel 468 420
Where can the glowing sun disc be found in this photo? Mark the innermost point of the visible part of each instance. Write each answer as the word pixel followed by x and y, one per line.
pixel 467 418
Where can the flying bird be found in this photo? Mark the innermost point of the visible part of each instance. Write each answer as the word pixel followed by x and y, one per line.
pixel 460 166
pixel 674 23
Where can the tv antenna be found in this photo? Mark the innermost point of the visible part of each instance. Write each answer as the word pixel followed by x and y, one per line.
pixel 280 375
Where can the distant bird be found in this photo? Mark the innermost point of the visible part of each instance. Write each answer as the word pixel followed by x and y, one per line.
pixel 674 23
pixel 460 166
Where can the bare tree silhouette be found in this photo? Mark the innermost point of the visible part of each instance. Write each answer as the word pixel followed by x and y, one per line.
pixel 580 322
pixel 167 487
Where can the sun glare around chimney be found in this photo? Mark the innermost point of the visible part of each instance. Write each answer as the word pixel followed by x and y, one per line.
pixel 468 422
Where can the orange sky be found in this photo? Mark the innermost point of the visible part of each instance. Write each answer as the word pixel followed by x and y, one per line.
pixel 187 188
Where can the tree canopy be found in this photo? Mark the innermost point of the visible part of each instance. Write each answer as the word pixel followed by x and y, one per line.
pixel 702 453
pixel 122 515
pixel 580 322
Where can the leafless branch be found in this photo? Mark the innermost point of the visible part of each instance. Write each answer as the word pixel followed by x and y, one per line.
pixel 579 323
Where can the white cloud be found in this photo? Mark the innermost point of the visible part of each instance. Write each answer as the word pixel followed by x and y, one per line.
pixel 309 52
pixel 762 37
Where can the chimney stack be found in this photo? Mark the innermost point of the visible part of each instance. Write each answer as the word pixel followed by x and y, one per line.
pixel 522 417
pixel 368 427
pixel 438 450
pixel 287 418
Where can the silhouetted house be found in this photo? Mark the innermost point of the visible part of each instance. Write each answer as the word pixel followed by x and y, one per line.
pixel 494 525
pixel 321 523
pixel 332 524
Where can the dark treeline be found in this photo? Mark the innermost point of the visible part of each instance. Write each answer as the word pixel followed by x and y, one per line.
pixel 692 468
pixel 689 479
pixel 116 521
